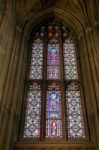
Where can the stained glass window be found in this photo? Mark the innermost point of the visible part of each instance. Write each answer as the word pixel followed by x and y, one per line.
pixel 53 68
pixel 75 122
pixel 53 112
pixel 53 79
pixel 36 67
pixel 70 61
pixel 33 112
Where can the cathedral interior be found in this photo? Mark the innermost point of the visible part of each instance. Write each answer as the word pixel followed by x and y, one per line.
pixel 19 22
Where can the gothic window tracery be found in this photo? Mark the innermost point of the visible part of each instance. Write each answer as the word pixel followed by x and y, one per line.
pixel 53 80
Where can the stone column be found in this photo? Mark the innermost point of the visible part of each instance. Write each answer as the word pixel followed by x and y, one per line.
pixel 89 76
pixel 94 38
pixel 7 34
pixel 7 96
pixel 18 93
pixel 94 73
pixel 85 74
pixel 2 9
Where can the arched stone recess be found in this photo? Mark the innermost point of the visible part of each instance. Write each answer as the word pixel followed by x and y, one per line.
pixel 80 30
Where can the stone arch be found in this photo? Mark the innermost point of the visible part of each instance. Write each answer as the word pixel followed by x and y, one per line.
pixel 69 19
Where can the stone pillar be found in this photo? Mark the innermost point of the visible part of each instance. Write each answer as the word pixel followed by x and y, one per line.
pixel 2 8
pixel 18 92
pixel 94 73
pixel 14 98
pixel 95 49
pixel 85 74
pixel 7 96
pixel 90 82
pixel 7 33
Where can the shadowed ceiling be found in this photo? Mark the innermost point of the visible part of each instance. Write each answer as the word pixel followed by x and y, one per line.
pixel 82 10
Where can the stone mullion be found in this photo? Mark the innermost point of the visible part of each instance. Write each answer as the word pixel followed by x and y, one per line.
pixel 44 88
pixel 6 99
pixel 63 89
pixel 85 79
pixel 14 99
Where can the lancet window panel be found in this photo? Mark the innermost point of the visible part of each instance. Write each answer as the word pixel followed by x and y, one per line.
pixel 53 58
pixel 70 60
pixel 53 112
pixel 53 68
pixel 33 112
pixel 36 66
pixel 75 120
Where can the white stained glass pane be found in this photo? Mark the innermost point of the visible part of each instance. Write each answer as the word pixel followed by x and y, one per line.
pixel 36 67
pixel 33 112
pixel 70 60
pixel 75 122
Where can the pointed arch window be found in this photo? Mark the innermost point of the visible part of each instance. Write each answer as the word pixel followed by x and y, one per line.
pixel 53 102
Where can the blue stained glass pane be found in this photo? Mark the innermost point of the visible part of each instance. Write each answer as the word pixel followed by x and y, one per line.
pixel 53 56
pixel 53 105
